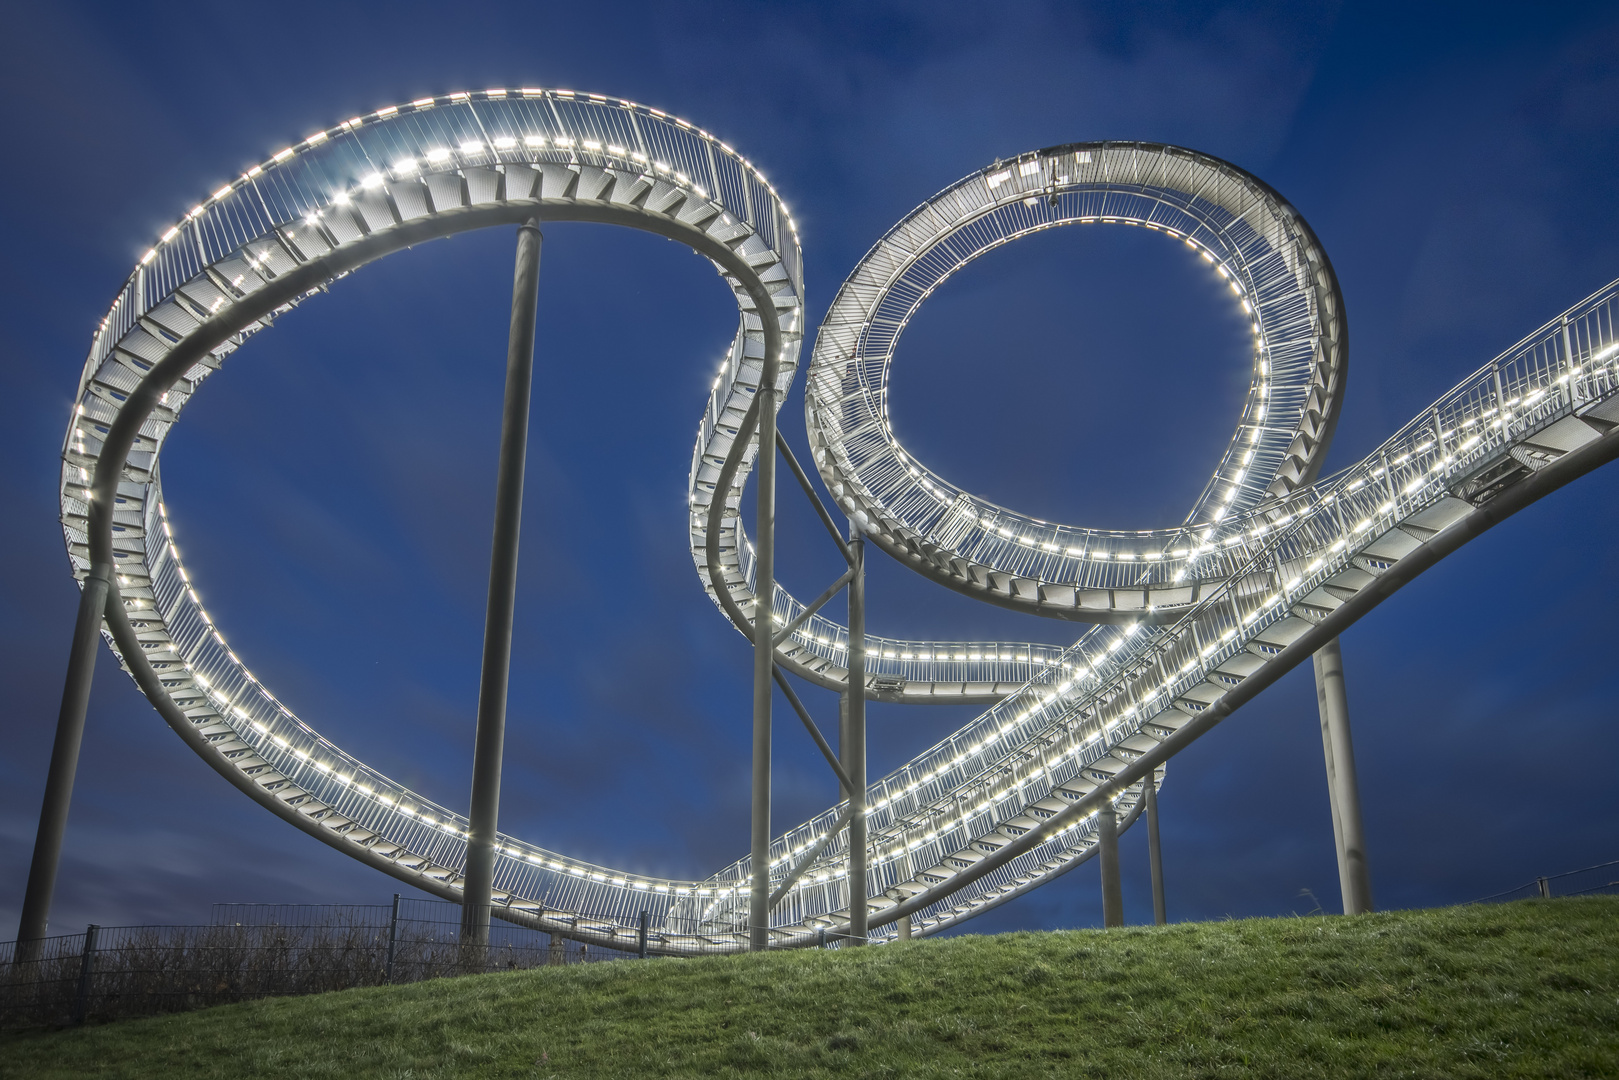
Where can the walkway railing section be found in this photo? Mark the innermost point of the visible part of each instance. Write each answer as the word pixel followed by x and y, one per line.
pixel 1261 249
pixel 486 127
pixel 1117 683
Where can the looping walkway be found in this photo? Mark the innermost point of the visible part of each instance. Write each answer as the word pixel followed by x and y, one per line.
pixel 1270 564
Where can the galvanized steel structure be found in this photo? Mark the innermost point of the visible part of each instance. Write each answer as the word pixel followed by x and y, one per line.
pixel 1270 565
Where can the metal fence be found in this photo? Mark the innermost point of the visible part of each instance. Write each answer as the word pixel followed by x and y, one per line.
pixel 1601 878
pixel 256 950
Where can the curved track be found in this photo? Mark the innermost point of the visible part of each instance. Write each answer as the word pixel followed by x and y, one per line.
pixel 1268 567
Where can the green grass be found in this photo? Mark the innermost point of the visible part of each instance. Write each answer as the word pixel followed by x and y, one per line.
pixel 1521 990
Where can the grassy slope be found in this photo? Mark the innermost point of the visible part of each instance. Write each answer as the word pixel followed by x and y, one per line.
pixel 1527 989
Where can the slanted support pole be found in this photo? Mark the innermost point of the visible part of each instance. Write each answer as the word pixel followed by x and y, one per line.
pixel 1155 853
pixel 1112 889
pixel 852 740
pixel 764 661
pixel 1354 876
pixel 478 886
pixel 81 669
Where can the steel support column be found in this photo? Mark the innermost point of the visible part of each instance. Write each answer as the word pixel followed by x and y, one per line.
pixel 478 886
pixel 1342 787
pixel 1155 853
pixel 1112 889
pixel 81 669
pixel 852 741
pixel 764 662
pixel 1332 793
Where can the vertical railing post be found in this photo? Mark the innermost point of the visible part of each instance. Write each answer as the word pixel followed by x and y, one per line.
pixel 393 941
pixel 81 669
pixel 1155 854
pixel 1343 786
pixel 558 952
pixel 852 742
pixel 764 660
pixel 1545 886
pixel 1112 888
pixel 87 961
pixel 1568 359
pixel 478 884
pixel 640 936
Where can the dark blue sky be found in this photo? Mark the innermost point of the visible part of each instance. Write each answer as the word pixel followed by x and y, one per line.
pixel 331 491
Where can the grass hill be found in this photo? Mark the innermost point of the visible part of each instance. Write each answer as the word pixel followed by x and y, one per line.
pixel 1529 989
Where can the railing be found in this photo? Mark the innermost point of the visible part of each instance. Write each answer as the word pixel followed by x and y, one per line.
pixel 1589 881
pixel 253 951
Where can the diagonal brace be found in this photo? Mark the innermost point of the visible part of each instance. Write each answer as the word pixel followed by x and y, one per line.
pixel 820 601
pixel 815 732
pixel 815 500
pixel 811 855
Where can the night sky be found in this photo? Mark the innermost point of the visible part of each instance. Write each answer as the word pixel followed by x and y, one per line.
pixel 332 489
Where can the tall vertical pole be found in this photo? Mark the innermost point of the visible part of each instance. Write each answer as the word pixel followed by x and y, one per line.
pixel 1112 888
pixel 764 661
pixel 479 884
pixel 852 741
pixel 1332 787
pixel 1356 875
pixel 81 669
pixel 1155 853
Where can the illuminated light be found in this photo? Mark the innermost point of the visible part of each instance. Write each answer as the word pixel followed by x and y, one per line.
pixel 222 192
pixel 563 141
pixel 505 142
pixel 166 237
pixel 472 146
pixel 405 165
pixel 386 110
pixel 1000 178
pixel 460 95
pixel 374 181
pixel 282 155
pixel 534 140
pixel 149 256
pixel 438 153
pixel 421 103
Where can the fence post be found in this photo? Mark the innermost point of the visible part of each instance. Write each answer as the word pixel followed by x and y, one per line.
pixel 81 1004
pixel 640 938
pixel 558 952
pixel 393 940
pixel 1545 887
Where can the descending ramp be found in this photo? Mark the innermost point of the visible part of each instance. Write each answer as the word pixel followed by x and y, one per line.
pixel 1192 621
